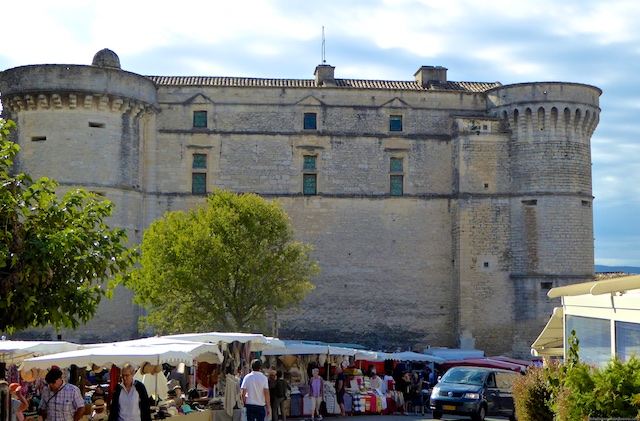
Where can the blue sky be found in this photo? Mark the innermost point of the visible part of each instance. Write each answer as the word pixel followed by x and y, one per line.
pixel 595 42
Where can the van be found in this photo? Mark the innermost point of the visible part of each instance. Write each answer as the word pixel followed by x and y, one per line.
pixel 474 391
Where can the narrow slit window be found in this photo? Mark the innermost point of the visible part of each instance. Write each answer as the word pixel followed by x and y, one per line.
pixel 533 202
pixel 97 125
pixel 38 138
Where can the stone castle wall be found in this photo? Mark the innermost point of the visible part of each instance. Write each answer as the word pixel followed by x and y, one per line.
pixel 496 204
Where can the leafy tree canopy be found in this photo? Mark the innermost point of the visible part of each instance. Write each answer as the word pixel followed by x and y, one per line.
pixel 222 266
pixel 54 254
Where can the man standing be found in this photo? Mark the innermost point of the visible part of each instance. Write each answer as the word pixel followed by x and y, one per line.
pixel 255 393
pixel 130 401
pixel 60 401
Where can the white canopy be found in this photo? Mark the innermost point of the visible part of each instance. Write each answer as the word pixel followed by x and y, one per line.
pixel 259 342
pixel 13 352
pixel 413 356
pixel 310 349
pixel 121 354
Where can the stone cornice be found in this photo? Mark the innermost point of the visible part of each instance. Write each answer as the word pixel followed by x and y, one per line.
pixel 75 100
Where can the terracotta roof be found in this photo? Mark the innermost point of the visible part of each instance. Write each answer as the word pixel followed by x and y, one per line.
pixel 311 83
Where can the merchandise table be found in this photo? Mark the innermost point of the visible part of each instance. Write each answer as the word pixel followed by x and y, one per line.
pixel 221 415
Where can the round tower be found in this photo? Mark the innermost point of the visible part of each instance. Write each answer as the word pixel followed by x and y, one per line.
pixel 85 126
pixel 551 215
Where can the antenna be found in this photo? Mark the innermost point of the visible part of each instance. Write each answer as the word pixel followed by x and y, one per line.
pixel 324 57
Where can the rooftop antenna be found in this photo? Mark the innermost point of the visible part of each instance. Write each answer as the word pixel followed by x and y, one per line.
pixel 324 57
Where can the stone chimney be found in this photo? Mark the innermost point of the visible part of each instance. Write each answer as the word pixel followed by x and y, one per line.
pixel 427 75
pixel 324 75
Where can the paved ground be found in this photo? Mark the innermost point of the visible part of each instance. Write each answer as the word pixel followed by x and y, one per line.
pixel 397 418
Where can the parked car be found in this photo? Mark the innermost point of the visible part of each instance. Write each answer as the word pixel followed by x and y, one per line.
pixel 474 391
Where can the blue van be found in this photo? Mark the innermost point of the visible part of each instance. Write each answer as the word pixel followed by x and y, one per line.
pixel 474 391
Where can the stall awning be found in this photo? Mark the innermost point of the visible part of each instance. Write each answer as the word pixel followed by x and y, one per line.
pixel 551 340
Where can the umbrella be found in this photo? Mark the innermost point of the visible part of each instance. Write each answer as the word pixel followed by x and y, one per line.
pixel 156 384
pixel 14 352
pixel 136 355
pixel 414 356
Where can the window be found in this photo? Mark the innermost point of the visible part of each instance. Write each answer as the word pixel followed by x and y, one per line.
pixel 198 177
pixel 395 123
pixel 198 183
pixel 309 176
pixel 199 161
pixel 594 335
pixel 97 124
pixel 309 163
pixel 199 119
pixel 309 184
pixel 310 120
pixel 38 138
pixel 396 179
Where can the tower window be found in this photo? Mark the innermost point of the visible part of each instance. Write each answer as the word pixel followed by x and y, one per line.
pixel 310 121
pixel 38 138
pixel 395 123
pixel 309 162
pixel 97 125
pixel 199 119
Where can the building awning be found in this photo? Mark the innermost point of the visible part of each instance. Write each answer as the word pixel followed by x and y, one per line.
pixel 624 283
pixel 551 340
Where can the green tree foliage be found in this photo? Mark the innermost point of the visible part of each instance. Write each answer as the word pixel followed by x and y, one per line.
pixel 575 391
pixel 222 266
pixel 54 254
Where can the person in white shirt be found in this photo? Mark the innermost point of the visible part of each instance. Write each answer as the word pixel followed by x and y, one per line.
pixel 255 393
pixel 375 382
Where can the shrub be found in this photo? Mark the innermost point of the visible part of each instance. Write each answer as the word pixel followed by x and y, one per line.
pixel 532 396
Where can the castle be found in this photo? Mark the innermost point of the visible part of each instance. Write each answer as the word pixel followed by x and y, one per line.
pixel 441 212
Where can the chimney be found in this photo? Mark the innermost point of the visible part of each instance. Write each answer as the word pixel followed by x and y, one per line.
pixel 324 75
pixel 427 75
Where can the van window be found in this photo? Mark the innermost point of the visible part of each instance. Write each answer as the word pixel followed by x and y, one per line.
pixel 505 380
pixel 491 380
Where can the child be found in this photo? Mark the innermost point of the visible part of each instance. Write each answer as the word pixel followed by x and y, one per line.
pixel 99 407
pixel 18 402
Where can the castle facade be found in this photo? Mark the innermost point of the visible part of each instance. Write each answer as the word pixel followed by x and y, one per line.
pixel 441 212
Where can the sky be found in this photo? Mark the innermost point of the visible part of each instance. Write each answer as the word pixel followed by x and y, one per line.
pixel 594 42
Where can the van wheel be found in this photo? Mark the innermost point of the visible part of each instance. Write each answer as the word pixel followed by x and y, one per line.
pixel 482 413
pixel 437 415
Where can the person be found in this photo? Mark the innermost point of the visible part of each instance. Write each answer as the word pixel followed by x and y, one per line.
pixel 60 401
pixel 18 402
pixel 273 378
pixel 130 401
pixel 280 393
pixel 316 393
pixel 255 393
pixel 176 396
pixel 341 382
pixel 98 394
pixel 375 382
pixel 403 386
pixel 388 383
pixel 416 393
pixel 99 407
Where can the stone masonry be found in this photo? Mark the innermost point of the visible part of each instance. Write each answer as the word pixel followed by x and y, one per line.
pixel 441 212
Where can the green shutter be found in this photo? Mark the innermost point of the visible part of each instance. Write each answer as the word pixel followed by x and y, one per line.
pixel 395 165
pixel 199 161
pixel 309 184
pixel 309 163
pixel 396 185
pixel 310 121
pixel 199 119
pixel 198 183
pixel 395 123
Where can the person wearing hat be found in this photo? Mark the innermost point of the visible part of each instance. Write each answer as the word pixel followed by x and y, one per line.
pixel 341 382
pixel 60 401
pixel 130 401
pixel 18 402
pixel 99 407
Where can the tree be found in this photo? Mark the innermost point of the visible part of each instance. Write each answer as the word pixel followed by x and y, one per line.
pixel 54 254
pixel 222 266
